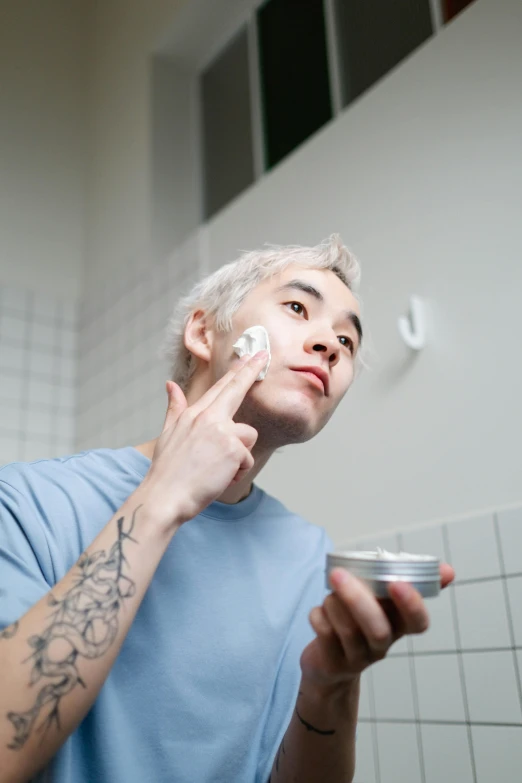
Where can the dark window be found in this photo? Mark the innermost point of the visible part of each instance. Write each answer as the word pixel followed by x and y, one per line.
pixel 295 90
pixel 451 8
pixel 228 158
pixel 374 36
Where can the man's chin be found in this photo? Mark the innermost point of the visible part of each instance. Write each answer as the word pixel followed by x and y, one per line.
pixel 280 424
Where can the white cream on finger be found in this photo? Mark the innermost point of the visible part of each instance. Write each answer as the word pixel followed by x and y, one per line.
pixel 254 339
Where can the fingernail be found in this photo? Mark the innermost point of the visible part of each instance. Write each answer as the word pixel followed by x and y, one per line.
pixel 339 577
pixel 400 589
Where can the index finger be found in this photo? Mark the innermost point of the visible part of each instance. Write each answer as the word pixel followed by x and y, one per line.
pixel 366 611
pixel 210 395
pixel 447 574
pixel 232 395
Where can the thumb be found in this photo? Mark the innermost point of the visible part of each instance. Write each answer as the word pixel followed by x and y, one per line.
pixel 177 403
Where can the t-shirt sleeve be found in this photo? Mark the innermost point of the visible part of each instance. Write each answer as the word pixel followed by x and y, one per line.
pixel 22 551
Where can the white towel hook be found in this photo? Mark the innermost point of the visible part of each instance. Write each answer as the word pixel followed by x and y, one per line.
pixel 412 327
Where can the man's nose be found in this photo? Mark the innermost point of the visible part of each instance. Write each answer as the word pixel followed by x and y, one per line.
pixel 325 344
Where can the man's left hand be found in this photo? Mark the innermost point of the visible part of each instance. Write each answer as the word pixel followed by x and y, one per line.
pixel 354 628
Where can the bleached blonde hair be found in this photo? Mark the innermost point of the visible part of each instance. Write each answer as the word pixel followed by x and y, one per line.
pixel 221 294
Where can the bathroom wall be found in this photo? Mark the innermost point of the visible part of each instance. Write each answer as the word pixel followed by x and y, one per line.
pixel 121 377
pixel 38 350
pixel 421 177
pixel 447 705
pixel 43 132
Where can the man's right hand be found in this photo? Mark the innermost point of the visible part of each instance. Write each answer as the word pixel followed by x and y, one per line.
pixel 201 449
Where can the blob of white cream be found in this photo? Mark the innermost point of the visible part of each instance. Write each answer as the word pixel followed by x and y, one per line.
pixel 382 554
pixel 251 341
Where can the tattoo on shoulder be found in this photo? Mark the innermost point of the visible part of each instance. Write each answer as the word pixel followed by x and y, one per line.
pixel 83 623
pixel 9 631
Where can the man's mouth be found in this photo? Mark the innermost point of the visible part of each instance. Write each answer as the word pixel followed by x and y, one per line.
pixel 317 376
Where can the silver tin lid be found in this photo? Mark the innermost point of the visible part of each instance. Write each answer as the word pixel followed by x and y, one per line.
pixel 378 569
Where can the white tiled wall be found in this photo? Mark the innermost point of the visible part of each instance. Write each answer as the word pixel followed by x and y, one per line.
pixel 37 375
pixel 447 705
pixel 121 379
pixel 78 376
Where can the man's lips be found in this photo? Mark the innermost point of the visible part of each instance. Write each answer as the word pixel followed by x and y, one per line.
pixel 317 376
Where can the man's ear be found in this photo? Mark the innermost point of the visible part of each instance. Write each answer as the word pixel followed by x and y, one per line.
pixel 198 336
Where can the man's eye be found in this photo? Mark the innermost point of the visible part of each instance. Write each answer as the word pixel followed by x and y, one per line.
pixel 347 341
pixel 297 307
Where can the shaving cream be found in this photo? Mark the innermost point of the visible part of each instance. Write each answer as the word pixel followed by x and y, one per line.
pixel 251 341
pixel 382 554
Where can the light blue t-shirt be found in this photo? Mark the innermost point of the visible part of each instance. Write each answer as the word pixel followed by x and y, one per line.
pixel 206 680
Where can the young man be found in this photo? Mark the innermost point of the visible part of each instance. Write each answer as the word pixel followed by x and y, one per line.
pixel 163 618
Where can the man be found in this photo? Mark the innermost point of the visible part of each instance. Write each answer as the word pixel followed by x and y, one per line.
pixel 156 605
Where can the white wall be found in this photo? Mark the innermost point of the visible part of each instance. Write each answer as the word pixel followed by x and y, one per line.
pixel 422 178
pixel 120 169
pixel 42 143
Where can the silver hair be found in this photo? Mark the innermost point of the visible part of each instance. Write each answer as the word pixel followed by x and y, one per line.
pixel 221 294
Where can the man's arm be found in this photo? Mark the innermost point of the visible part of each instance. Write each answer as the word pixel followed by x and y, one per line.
pixel 56 657
pixel 319 744
pixel 353 630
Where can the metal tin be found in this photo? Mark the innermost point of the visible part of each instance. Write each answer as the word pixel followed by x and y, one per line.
pixel 378 571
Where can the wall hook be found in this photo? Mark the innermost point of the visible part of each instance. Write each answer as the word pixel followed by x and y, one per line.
pixel 412 327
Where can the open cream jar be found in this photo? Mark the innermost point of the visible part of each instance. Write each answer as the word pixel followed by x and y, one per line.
pixel 378 569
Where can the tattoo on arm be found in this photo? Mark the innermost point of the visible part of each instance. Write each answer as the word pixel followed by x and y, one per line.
pixel 309 727
pixel 10 631
pixel 83 623
pixel 282 750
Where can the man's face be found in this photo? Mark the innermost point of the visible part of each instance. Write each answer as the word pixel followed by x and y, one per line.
pixel 312 320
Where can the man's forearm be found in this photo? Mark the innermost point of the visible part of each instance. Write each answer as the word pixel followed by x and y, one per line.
pixel 319 744
pixel 55 658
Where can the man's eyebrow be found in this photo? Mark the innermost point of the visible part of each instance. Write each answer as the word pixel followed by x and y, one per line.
pixel 356 321
pixel 308 288
pixel 300 285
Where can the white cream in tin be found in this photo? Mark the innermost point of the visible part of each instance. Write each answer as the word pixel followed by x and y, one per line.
pixel 382 554
pixel 379 568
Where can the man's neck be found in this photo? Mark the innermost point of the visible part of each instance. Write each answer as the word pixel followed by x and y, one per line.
pixel 233 493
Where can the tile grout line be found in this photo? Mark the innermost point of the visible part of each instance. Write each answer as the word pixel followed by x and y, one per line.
pixel 508 609
pixel 415 692
pixel 460 660
pixel 434 722
pixel 26 375
pixel 375 738
pixel 57 357
pixel 453 650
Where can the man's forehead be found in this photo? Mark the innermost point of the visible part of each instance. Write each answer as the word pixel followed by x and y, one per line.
pixel 324 280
